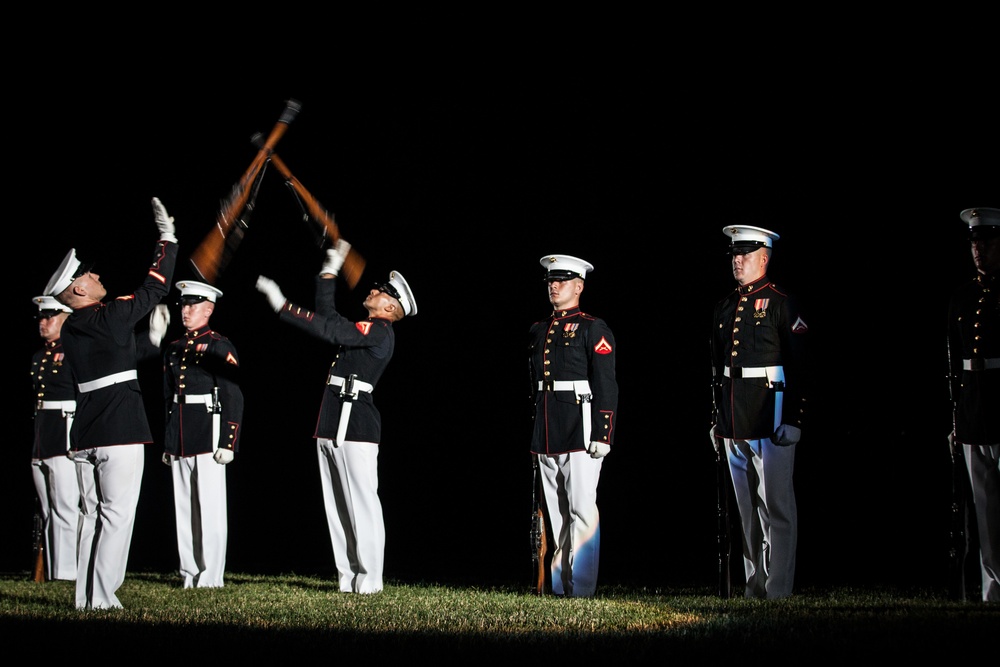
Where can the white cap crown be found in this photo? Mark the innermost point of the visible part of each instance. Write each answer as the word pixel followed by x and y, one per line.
pixel 565 267
pixel 193 288
pixel 64 275
pixel 49 303
pixel 748 238
pixel 405 294
pixel 984 223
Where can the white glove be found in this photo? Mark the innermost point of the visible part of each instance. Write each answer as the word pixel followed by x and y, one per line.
pixel 166 459
pixel 715 439
pixel 164 222
pixel 270 289
pixel 951 443
pixel 159 320
pixel 786 435
pixel 598 450
pixel 335 257
pixel 223 456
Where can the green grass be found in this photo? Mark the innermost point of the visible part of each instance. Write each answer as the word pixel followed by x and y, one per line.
pixel 292 616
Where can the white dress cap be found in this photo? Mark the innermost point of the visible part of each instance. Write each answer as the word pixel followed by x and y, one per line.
pixel 749 238
pixel 403 293
pixel 984 223
pixel 193 288
pixel 565 267
pixel 64 275
pixel 49 303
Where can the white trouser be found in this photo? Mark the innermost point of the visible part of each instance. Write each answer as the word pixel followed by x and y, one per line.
pixel 570 483
pixel 59 493
pixel 110 479
pixel 349 474
pixel 201 511
pixel 762 478
pixel 983 463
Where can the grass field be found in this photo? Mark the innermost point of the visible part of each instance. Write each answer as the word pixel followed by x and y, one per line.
pixel 292 616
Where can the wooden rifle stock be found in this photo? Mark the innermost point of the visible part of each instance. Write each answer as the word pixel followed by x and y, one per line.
pixel 211 256
pixel 354 263
pixel 38 574
pixel 539 539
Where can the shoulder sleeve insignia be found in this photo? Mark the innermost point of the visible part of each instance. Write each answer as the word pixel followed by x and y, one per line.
pixel 603 346
pixel 230 359
pixel 799 326
pixel 364 327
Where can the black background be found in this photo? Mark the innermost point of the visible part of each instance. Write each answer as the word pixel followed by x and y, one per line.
pixel 461 172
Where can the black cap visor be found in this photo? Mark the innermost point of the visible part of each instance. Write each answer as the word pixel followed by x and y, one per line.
pixel 745 247
pixel 984 232
pixel 559 275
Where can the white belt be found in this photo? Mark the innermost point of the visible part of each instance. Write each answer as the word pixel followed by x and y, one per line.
pixel 107 381
pixel 772 373
pixel 981 364
pixel 337 381
pixel 345 408
pixel 205 399
pixel 65 406
pixel 582 390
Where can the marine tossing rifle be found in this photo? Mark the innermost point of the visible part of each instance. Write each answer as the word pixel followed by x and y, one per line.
pixel 217 248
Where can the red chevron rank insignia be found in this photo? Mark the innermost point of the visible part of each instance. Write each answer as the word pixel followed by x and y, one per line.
pixel 603 346
pixel 363 327
pixel 230 359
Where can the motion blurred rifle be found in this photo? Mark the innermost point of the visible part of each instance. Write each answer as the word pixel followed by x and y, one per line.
pixel 38 538
pixel 539 540
pixel 958 539
pixel 328 232
pixel 217 248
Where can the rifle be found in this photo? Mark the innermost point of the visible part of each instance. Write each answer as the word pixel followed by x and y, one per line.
pixel 354 263
pixel 958 542
pixel 216 249
pixel 539 540
pixel 723 536
pixel 38 537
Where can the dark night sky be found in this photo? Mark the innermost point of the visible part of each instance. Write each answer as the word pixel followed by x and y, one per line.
pixel 461 175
